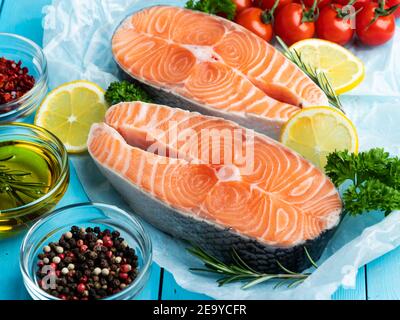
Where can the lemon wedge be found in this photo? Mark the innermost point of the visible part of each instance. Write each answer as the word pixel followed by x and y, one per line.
pixel 70 110
pixel 316 132
pixel 344 70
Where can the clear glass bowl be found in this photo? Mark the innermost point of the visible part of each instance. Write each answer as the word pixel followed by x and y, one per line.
pixel 14 220
pixel 51 227
pixel 17 48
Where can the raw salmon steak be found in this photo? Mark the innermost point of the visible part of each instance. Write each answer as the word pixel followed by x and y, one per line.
pixel 208 64
pixel 216 184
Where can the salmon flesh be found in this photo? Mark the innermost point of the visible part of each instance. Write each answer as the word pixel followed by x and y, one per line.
pixel 217 184
pixel 208 64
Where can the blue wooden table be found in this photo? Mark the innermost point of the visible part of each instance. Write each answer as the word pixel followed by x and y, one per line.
pixel 378 280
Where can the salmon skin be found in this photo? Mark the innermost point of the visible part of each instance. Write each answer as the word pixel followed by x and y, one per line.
pixel 258 197
pixel 208 64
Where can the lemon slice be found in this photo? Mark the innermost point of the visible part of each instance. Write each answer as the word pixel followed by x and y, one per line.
pixel 344 70
pixel 316 132
pixel 69 111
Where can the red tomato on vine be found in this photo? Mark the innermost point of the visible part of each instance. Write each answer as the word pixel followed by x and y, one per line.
pixel 376 24
pixel 258 21
pixel 334 24
pixel 242 4
pixel 295 22
pixel 391 3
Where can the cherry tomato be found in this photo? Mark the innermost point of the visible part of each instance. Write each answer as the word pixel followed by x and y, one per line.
pixel 242 4
pixel 357 5
pixel 391 3
pixel 333 25
pixel 293 23
pixel 268 4
pixel 380 31
pixel 253 20
pixel 321 3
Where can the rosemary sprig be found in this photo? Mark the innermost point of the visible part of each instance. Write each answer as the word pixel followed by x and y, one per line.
pixel 318 76
pixel 11 183
pixel 240 271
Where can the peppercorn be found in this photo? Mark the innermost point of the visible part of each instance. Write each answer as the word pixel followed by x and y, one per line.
pixel 86 268
pixel 81 288
pixel 90 263
pixel 74 229
pixel 103 263
pixel 115 234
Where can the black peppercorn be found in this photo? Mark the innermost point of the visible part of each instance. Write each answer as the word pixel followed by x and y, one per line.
pixel 74 229
pixel 115 234
pixel 103 263
pixel 90 263
pixel 116 283
pixel 81 257
pixel 72 242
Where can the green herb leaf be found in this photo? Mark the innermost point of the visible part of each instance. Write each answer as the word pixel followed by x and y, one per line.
pixel 11 183
pixel 374 176
pixel 227 7
pixel 125 91
pixel 240 271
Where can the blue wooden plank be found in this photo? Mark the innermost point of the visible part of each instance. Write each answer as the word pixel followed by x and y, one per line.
pixel 384 277
pixel 172 291
pixel 360 291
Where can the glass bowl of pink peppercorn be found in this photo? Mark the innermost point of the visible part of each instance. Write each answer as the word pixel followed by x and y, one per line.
pixel 53 226
pixel 29 61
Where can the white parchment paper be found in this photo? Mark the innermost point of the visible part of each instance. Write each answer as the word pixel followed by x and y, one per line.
pixel 77 41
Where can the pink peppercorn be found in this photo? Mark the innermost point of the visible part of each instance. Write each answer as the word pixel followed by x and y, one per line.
pixel 125 268
pixel 123 276
pixel 81 288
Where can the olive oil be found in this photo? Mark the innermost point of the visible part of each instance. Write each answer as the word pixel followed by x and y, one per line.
pixel 37 170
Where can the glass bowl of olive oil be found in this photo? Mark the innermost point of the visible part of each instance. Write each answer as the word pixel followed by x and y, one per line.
pixel 34 175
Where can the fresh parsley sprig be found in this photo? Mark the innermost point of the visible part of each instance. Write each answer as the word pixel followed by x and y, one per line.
pixel 124 91
pixel 374 176
pixel 227 7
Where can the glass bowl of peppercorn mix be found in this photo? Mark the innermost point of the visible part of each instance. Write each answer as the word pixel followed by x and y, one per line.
pixel 88 251
pixel 23 76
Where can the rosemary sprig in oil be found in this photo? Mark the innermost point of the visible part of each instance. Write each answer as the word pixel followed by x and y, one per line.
pixel 240 271
pixel 319 77
pixel 11 183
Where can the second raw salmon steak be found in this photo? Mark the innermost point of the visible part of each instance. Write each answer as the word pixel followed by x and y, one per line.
pixel 208 64
pixel 216 184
